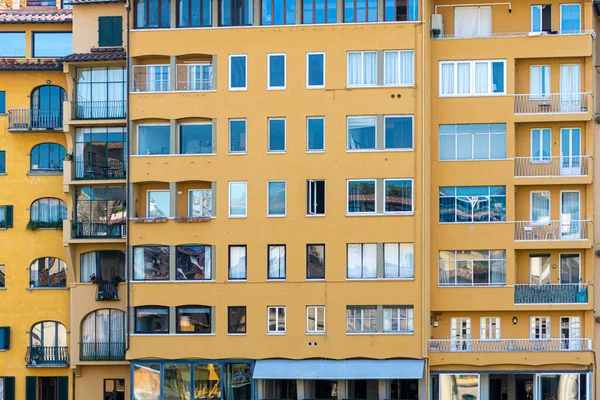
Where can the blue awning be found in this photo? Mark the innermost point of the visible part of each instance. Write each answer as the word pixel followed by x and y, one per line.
pixel 339 369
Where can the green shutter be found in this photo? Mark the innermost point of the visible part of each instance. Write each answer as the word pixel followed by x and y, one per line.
pixel 117 31
pixel 104 31
pixel 30 388
pixel 8 216
pixel 110 31
pixel 63 388
pixel 9 388
pixel 5 345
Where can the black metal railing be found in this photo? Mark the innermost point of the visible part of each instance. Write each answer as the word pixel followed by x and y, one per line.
pixel 109 109
pixel 34 119
pixel 102 351
pixel 97 229
pixel 55 355
pixel 107 291
pixel 107 169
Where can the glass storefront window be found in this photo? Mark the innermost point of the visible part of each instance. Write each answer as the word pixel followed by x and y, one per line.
pixel 146 382
pixel 177 382
pixel 207 381
pixel 459 387
pixel 239 382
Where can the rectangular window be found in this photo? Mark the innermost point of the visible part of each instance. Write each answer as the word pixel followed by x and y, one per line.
pixel 361 261
pixel 194 319
pixel 200 203
pixel 490 328
pixel 238 73
pixel 361 319
pixel 154 140
pixel 276 267
pixel 539 82
pixel 151 263
pixel 276 68
pixel 319 11
pixel 315 69
pixel 151 320
pixel 2 162
pixel 315 319
pixel 110 31
pixel 362 133
pixel 315 261
pixel 12 44
pixel 477 204
pixel 194 13
pixel 276 316
pixel 235 12
pixel 114 389
pixel 360 11
pixel 472 267
pixel 541 18
pixel 100 152
pixel 540 328
pixel 196 138
pixel 398 195
pixel 361 196
pixel 152 78
pixel 236 320
pixel 237 136
pixel 237 199
pixel 539 265
pixel 398 260
pixel 398 132
pixel 6 217
pixel 401 10
pixel 398 319
pixel 2 276
pixel 570 18
pixel 158 204
pixel 540 207
pixel 194 263
pixel 541 142
pixel 2 100
pixel 52 44
pixel 238 262
pixel 315 199
pixel 4 339
pixel 276 135
pixel 152 14
pixel 399 67
pixel 101 93
pixel 362 66
pixel 315 134
pixel 278 12
pixel 276 198
pixel 472 142
pixel 472 78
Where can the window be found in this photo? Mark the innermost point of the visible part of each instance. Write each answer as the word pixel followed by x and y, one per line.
pixel 102 264
pixel 362 133
pixel 319 11
pixel 472 22
pixel 276 135
pixel 154 139
pixel 236 320
pixel 361 319
pixel 460 386
pixel 401 10
pixel 276 267
pixel 278 12
pixel 570 18
pixel 398 195
pixel 472 78
pixel 2 99
pixel 360 11
pixel 197 139
pixel 362 66
pixel 472 142
pixel 276 320
pixel 103 336
pixel 2 276
pixel 48 344
pixel 490 328
pixel 398 259
pixel 101 211
pixel 540 207
pixel 238 73
pixel 4 343
pixel 399 67
pixel 110 31
pixel 541 18
pixel 48 272
pixel 100 152
pixel 315 134
pixel 152 78
pixel 151 263
pixel 540 328
pixel 2 162
pixel 362 261
pixel 315 261
pixel 398 319
pixel 100 93
pixel 541 142
pixel 539 82
pixel 238 262
pixel 194 319
pixel 194 13
pixel 48 213
pixel 200 203
pixel 114 389
pixel 6 217
pixel 473 204
pixel 398 132
pixel 315 199
pixel 276 198
pixel 237 136
pixel 46 157
pixel 276 66
pixel 539 265
pixel 237 199
pixel 152 14
pixel 315 319
pixel 472 267
pixel 235 12
pixel 194 263
pixel 12 44
pixel 151 319
pixel 158 204
pixel 361 196
pixel 315 69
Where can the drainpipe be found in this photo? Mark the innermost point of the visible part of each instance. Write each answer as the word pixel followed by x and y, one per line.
pixel 128 165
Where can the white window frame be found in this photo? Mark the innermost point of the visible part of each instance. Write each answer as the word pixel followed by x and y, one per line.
pixel 472 92
pixel 308 135
pixel 245 136
pixel 456 135
pixel 537 6
pixel 362 68
pixel 284 202
pixel 317 311
pixel 269 151
pixel 137 140
pixel 309 86
pixel 309 195
pixel 561 17
pixel 151 83
pixel 229 200
pixel 348 118
pixel 202 191
pixel 348 182
pixel 236 89
pixel 490 328
pixel 412 196
pixel 543 95
pixel 541 159
pixel 362 319
pixel 279 246
pixel 277 316
pixel 531 193
pixel 410 319
pixel 148 201
pixel 213 138
pixel 533 324
pixel 412 118
pixel 362 264
pixel 269 87
pixel 399 55
pixel 400 253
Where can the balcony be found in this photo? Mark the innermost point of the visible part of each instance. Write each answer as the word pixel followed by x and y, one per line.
pixel 508 345
pixel 99 229
pixel 573 293
pixel 34 119
pixel 102 351
pixel 98 170
pixel 555 103
pixel 107 291
pixel 550 231
pixel 189 77
pixel 109 109
pixel 556 166
pixel 57 356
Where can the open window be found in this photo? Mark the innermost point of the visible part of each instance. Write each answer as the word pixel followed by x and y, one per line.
pixel 315 201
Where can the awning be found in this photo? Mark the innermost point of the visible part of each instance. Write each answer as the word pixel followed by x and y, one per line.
pixel 339 369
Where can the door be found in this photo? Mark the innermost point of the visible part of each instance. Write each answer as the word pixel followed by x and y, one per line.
pixel 539 270
pixel 540 208
pixel 570 269
pixel 570 333
pixel 570 86
pixel 570 151
pixel 473 21
pixel 540 333
pixel 460 334
pixel 46 106
pixel 570 215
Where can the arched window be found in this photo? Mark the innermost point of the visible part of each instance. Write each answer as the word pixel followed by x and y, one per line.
pixel 46 106
pixel 47 212
pixel 48 272
pixel 103 264
pixel 47 157
pixel 103 336
pixel 48 344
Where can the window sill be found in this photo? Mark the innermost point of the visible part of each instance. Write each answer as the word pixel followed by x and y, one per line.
pixel 173 281
pixel 314 215
pixel 191 334
pixel 407 150
pixel 245 89
pixel 276 88
pixel 3 288
pixel 379 333
pixel 275 279
pixel 474 95
pixel 237 153
pixel 276 216
pixel 46 288
pixel 236 334
pixel 276 333
pixel 237 216
pixel 500 285
pixel 48 173
pixel 315 87
pixel 408 86
pixel 380 214
pixel 276 152
pixel 315 151
pixel 236 280
pixel 315 279
pixel 379 279
pixel 3 174
pixel 315 333
pixel 473 222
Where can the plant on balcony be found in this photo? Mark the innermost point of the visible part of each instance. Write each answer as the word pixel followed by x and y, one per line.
pixel 147 220
pixel 69 157
pixel 35 225
pixel 435 33
pixel 192 219
pixel 116 280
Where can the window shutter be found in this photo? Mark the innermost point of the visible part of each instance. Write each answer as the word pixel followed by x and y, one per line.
pixel 63 388
pixel 30 388
pixel 117 31
pixel 8 216
pixel 5 337
pixel 9 388
pixel 104 31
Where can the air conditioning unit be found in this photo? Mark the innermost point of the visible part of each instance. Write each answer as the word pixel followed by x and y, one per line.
pixel 123 231
pixel 437 24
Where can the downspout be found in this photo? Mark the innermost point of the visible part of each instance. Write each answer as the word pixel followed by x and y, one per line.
pixel 128 181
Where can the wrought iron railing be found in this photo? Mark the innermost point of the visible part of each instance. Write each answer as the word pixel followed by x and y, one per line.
pixel 102 351
pixel 107 169
pixel 56 355
pixel 551 103
pixel 27 119
pixel 547 231
pixel 570 293
pixel 106 291
pixel 552 166
pixel 97 229
pixel 110 109
pixel 508 345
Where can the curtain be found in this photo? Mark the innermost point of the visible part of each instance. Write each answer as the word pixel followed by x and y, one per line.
pixel 447 84
pixel 237 263
pixel 407 67
pixel 391 73
pixel 354 67
pixel 138 263
pixel 466 22
pixel 354 261
pixel 540 207
pixel 535 82
pixel 481 77
pixel 485 21
pixel 89 266
pixel 79 153
pixel 370 68
pixel 88 335
pixel 391 268
pixel 565 85
pixel 570 206
pixel 369 260
pixel 464 78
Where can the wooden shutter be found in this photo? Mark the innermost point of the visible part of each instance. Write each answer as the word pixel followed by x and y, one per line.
pixel 117 31
pixel 5 338
pixel 8 216
pixel 63 388
pixel 9 388
pixel 30 388
pixel 110 31
pixel 104 31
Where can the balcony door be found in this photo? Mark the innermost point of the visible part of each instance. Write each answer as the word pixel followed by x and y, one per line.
pixel 570 87
pixel 460 334
pixel 570 269
pixel 570 151
pixel 570 333
pixel 46 106
pixel 540 208
pixel 570 215
pixel 539 267
pixel 473 21
pixel 541 142
pixel 540 328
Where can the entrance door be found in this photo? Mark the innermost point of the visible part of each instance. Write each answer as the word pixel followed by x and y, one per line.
pixel 570 332
pixel 570 151
pixel 570 215
pixel 473 21
pixel 460 334
pixel 570 86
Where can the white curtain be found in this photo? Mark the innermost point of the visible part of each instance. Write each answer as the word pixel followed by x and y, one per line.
pixel 535 80
pixel 540 207
pixel 138 263
pixel 369 261
pixel 79 150
pixel 407 269
pixel 481 77
pixel 354 261
pixel 391 269
pixel 464 78
pixel 354 64
pixel 391 75
pixel 89 266
pixel 485 21
pixel 88 334
pixel 407 67
pixel 370 68
pixel 237 260
pixel 466 22
pixel 570 206
pixel 447 84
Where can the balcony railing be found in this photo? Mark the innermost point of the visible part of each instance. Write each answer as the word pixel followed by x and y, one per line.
pixel 548 231
pixel 510 34
pixel 195 77
pixel 547 166
pixel 42 356
pixel 110 109
pixel 111 169
pixel 102 351
pixel 571 293
pixel 107 291
pixel 508 345
pixel 157 78
pixel 98 229
pixel 555 103
pixel 29 119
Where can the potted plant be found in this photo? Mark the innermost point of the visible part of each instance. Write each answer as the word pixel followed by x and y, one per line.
pixel 32 225
pixel 69 157
pixel 435 33
pixel 31 283
pixel 116 280
pixel 94 279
